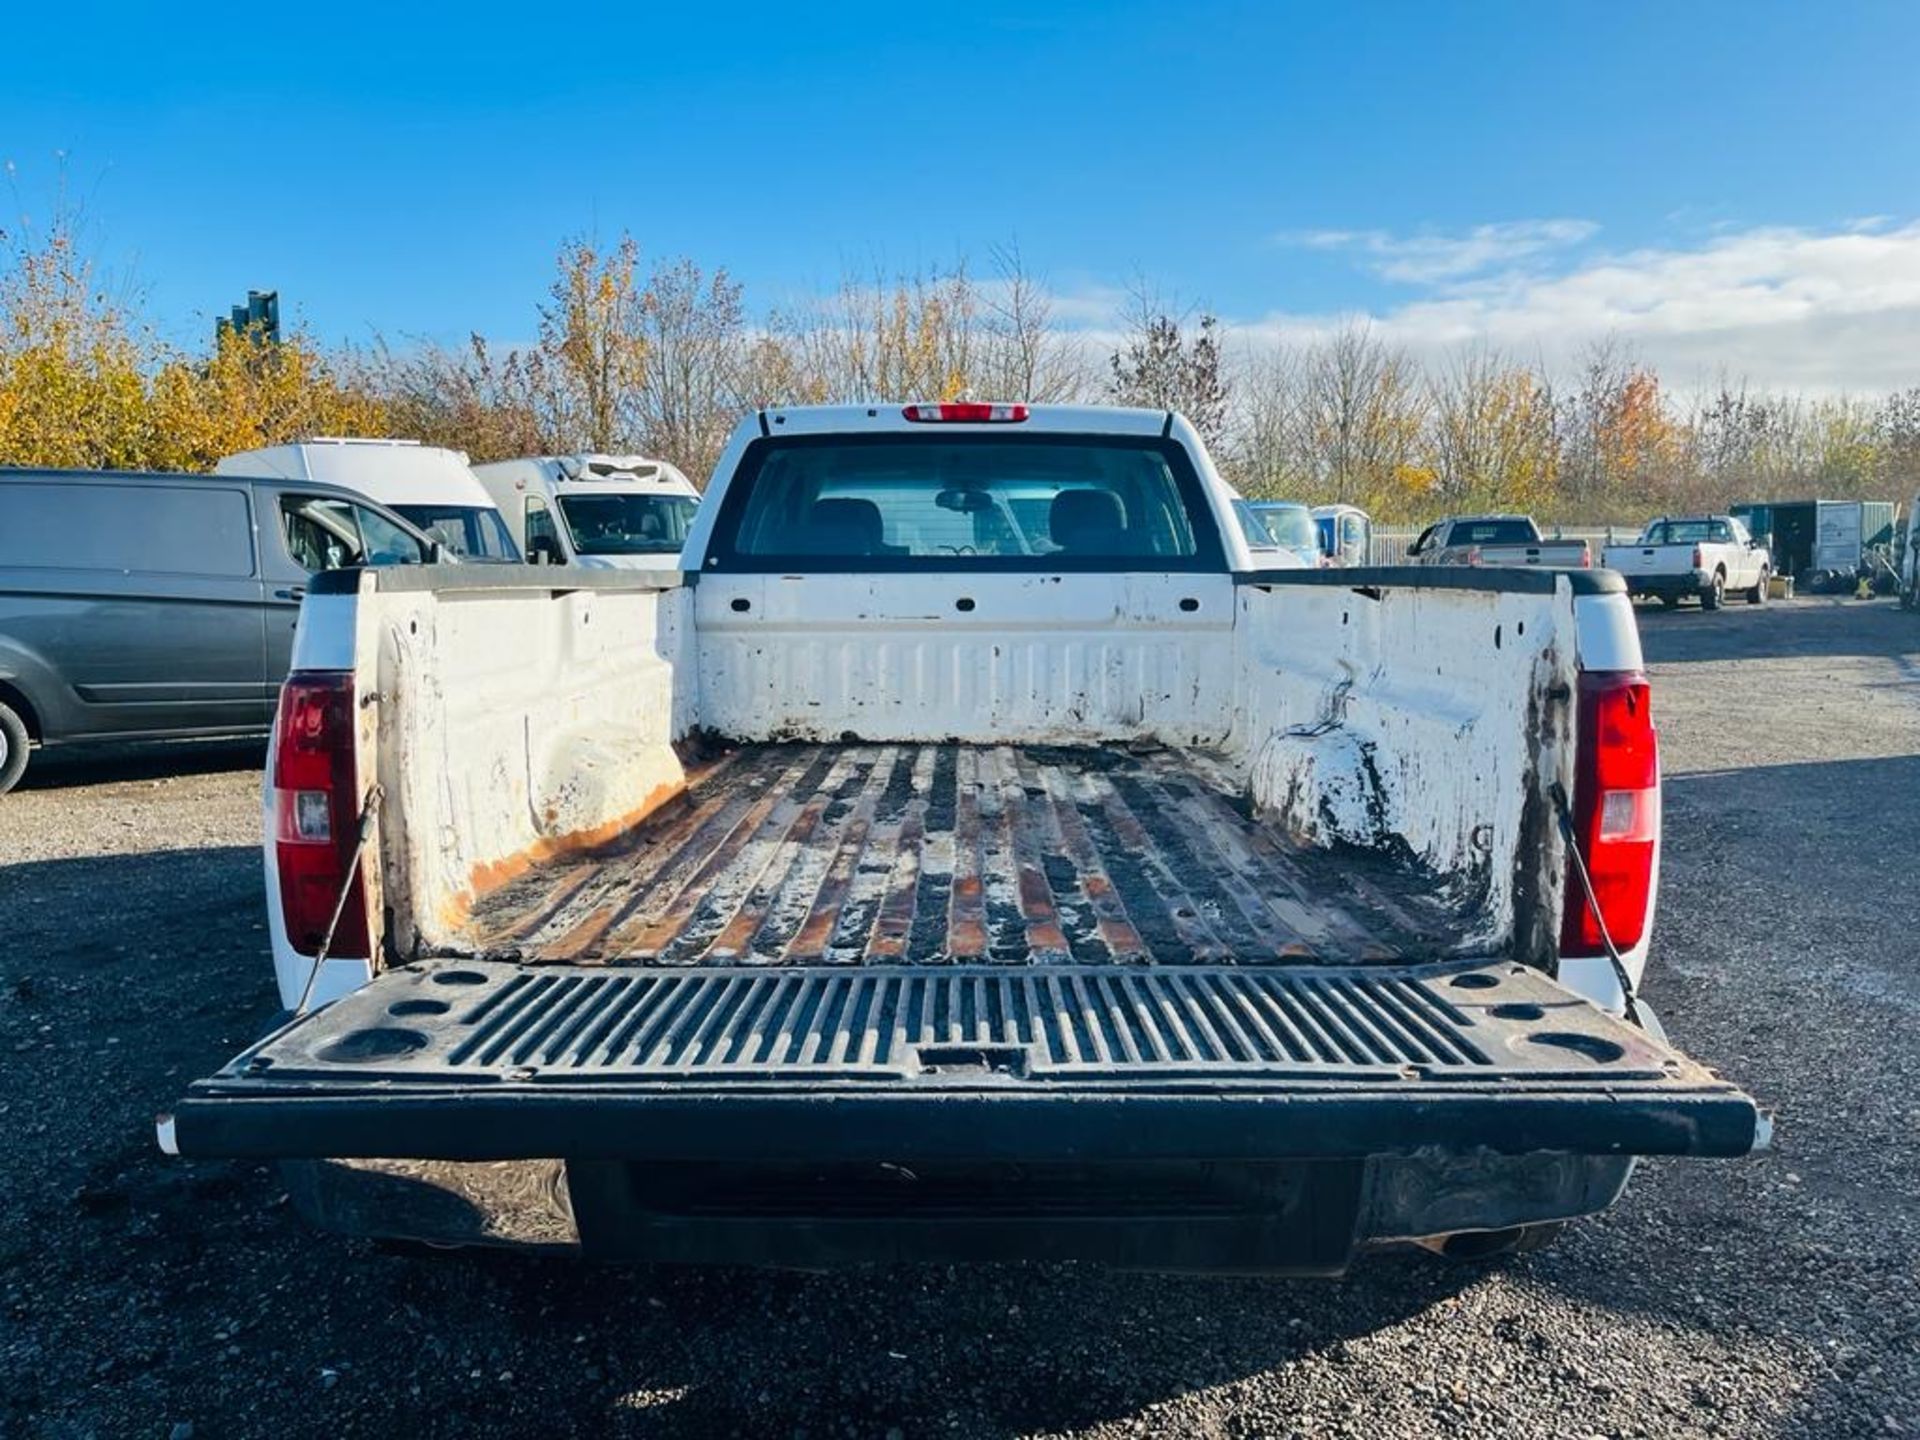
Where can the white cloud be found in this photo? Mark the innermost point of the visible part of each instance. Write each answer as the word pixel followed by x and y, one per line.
pixel 1096 306
pixel 1429 256
pixel 1817 310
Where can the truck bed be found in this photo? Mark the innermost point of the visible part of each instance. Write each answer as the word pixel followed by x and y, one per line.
pixel 807 854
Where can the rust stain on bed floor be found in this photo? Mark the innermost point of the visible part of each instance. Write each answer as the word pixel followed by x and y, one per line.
pixel 839 854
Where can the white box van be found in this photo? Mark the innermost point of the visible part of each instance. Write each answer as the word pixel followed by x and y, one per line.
pixel 431 487
pixel 609 512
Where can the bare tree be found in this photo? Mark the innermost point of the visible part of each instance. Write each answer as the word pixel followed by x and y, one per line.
pixel 693 329
pixel 1021 354
pixel 1361 415
pixel 1900 443
pixel 874 338
pixel 1264 454
pixel 1603 370
pixel 1165 364
pixel 493 406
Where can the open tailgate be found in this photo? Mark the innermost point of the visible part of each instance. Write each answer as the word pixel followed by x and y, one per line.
pixel 453 1060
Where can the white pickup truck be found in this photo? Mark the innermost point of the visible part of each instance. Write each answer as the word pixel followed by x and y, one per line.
pixel 976 857
pixel 1496 540
pixel 1703 555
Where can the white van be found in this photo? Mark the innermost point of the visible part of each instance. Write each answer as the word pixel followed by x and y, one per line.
pixel 431 487
pixel 608 512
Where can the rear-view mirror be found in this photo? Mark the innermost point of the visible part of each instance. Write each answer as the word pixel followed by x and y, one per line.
pixel 967 502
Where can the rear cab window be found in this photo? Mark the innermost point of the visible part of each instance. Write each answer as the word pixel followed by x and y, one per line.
pixel 1494 532
pixel 1683 532
pixel 982 502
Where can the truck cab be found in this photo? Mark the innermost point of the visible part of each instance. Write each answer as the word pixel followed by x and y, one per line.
pixel 607 512
pixel 1495 540
pixel 1346 534
pixel 1290 529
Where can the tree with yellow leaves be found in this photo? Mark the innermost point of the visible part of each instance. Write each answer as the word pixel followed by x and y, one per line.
pixel 593 340
pixel 247 394
pixel 72 387
pixel 81 388
pixel 1494 440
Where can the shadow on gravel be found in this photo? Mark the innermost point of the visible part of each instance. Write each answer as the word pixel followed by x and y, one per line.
pixel 1814 628
pixel 66 765
pixel 970 1351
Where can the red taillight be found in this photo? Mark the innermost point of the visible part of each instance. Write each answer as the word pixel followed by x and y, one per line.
pixel 1616 812
pixel 1699 558
pixel 316 812
pixel 965 410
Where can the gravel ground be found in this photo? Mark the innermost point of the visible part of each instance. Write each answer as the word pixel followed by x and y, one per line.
pixel 1781 1296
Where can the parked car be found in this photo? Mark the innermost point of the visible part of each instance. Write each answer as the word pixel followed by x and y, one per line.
pixel 1081 891
pixel 138 607
pixel 1291 527
pixel 1346 534
pixel 1268 553
pixel 1496 540
pixel 600 511
pixel 1704 555
pixel 433 488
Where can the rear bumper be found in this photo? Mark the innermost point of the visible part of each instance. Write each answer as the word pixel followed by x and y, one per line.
pixel 1268 1217
pixel 1675 586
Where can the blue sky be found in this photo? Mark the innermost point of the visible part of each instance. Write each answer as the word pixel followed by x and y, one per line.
pixel 412 172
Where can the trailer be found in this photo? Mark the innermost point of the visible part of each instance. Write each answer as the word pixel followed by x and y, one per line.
pixel 1824 544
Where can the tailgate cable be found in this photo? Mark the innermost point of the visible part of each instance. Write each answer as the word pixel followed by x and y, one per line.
pixel 1565 812
pixel 346 885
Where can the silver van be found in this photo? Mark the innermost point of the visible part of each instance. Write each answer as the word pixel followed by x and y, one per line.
pixel 138 607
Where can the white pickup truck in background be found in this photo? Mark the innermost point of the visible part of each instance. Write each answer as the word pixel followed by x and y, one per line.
pixel 978 856
pixel 1703 555
pixel 1496 540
